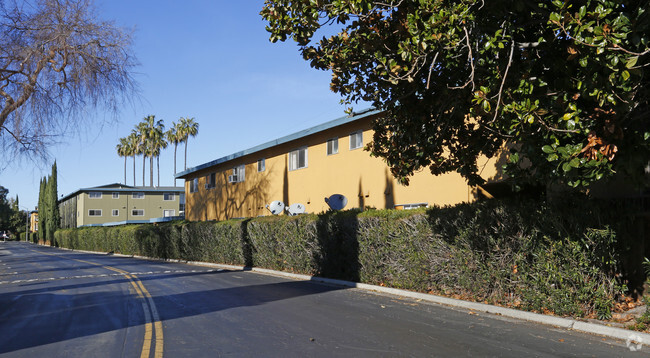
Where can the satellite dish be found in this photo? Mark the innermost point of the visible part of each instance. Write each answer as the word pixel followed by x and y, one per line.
pixel 295 209
pixel 276 207
pixel 337 201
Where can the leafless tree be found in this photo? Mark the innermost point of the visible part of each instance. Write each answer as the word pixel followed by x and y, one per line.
pixel 57 63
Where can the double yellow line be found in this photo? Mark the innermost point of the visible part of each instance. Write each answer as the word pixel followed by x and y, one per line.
pixel 151 317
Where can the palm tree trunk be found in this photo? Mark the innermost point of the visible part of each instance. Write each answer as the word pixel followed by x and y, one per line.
pixel 185 154
pixel 151 171
pixel 143 162
pixel 133 169
pixel 125 170
pixel 175 146
pixel 158 168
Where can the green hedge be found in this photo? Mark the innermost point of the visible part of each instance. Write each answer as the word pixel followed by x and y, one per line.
pixel 560 257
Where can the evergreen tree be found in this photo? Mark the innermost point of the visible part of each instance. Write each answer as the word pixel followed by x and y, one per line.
pixel 53 216
pixel 42 210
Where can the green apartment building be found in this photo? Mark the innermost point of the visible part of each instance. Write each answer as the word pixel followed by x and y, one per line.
pixel 117 204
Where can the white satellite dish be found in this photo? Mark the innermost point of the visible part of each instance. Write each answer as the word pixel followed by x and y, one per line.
pixel 295 209
pixel 276 207
pixel 337 201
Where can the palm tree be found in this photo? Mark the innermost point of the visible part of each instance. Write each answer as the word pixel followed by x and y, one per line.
pixel 158 142
pixel 134 148
pixel 173 136
pixel 140 130
pixel 123 150
pixel 152 133
pixel 189 128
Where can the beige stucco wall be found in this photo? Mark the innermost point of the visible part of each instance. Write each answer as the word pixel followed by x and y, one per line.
pixel 364 180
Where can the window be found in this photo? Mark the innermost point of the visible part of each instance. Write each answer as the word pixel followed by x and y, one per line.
pixel 116 212
pixel 168 213
pixel 261 165
pixel 298 159
pixel 95 212
pixel 211 181
pixel 332 146
pixel 194 185
pixel 95 195
pixel 238 174
pixel 137 212
pixel 169 197
pixel 137 195
pixel 116 195
pixel 356 140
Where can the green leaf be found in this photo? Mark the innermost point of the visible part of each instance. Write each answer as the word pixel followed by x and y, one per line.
pixel 584 62
pixel 582 12
pixel 625 75
pixel 566 167
pixel 514 158
pixel 548 149
pixel 631 62
pixel 575 162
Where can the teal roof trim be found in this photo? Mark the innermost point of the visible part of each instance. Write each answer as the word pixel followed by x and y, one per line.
pixel 291 137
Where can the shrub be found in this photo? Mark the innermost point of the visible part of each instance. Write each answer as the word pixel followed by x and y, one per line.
pixel 559 257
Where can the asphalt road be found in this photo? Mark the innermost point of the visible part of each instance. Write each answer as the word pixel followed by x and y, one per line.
pixel 58 303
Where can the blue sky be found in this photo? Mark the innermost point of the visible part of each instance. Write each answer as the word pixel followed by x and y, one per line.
pixel 206 59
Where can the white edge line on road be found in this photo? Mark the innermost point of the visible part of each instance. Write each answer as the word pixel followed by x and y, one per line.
pixel 566 323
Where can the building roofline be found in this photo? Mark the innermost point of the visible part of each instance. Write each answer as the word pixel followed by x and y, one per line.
pixel 282 140
pixel 125 189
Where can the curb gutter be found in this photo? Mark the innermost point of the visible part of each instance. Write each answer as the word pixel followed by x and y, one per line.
pixel 566 323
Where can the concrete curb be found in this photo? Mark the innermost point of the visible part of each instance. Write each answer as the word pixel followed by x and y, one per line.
pixel 566 323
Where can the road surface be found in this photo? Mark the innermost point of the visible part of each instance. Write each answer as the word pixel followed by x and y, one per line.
pixel 59 303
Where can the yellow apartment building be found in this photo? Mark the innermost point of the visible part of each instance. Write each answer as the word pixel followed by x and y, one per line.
pixel 310 165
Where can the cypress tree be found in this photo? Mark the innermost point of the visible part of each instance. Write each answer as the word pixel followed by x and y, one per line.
pixel 42 210
pixel 53 217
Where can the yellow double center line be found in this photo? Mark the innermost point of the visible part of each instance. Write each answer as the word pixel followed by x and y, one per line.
pixel 151 316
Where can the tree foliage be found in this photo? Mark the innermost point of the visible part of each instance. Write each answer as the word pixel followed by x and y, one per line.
pixel 563 83
pixel 56 61
pixel 49 216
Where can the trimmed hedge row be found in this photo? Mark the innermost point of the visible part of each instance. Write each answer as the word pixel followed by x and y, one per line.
pixel 542 257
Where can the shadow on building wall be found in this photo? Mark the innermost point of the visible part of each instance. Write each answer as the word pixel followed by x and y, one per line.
pixel 389 191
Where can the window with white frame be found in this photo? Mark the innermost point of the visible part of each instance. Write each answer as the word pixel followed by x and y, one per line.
pixel 138 195
pixel 95 195
pixel 116 212
pixel 298 159
pixel 211 181
pixel 95 212
pixel 332 146
pixel 169 212
pixel 116 195
pixel 137 212
pixel 261 165
pixel 356 140
pixel 238 174
pixel 169 197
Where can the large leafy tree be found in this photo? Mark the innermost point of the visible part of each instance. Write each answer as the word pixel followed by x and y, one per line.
pixel 564 84
pixel 57 61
